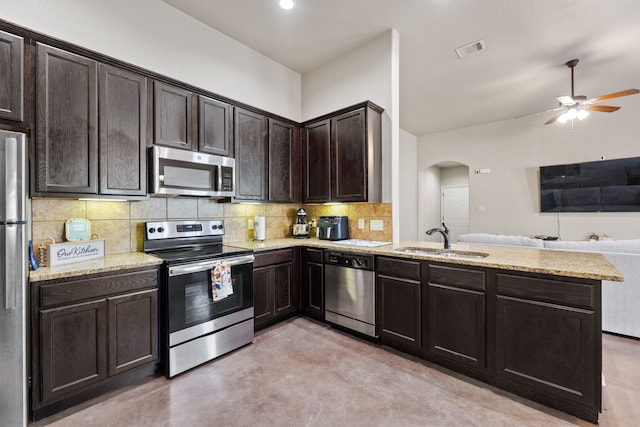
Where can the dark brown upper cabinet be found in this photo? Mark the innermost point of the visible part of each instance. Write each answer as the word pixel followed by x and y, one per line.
pixel 342 159
pixel 172 116
pixel 66 122
pixel 251 153
pixel 91 127
pixel 215 127
pixel 123 132
pixel 11 76
pixel 284 163
pixel 316 162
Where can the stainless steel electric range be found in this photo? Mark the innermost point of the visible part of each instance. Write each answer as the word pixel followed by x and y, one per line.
pixel 206 292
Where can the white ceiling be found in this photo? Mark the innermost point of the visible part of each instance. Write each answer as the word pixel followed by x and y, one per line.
pixel 521 71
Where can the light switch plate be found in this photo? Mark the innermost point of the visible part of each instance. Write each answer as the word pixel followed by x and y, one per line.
pixel 376 225
pixel 250 224
pixel 361 223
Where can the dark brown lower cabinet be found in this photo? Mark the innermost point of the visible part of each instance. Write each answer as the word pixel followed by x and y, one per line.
pixel 456 317
pixel 399 292
pixel 536 335
pixel 276 288
pixel 549 342
pixel 312 283
pixel 91 334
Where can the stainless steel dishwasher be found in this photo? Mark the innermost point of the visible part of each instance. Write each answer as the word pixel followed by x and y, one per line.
pixel 350 291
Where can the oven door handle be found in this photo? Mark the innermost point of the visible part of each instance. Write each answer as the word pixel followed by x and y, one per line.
pixel 208 265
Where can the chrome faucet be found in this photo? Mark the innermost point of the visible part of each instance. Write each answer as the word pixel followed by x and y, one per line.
pixel 445 233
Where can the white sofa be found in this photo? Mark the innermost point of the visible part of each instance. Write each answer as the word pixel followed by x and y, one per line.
pixel 620 300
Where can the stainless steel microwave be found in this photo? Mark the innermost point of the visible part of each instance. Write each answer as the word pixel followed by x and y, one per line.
pixel 175 172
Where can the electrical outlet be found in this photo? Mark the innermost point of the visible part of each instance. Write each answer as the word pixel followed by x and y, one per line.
pixel 361 223
pixel 376 225
pixel 250 224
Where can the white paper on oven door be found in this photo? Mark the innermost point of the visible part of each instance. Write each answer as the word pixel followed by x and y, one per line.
pixel 221 283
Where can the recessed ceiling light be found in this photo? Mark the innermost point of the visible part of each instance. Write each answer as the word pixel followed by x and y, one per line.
pixel 286 4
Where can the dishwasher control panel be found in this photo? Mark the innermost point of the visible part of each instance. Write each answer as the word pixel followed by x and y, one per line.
pixel 349 260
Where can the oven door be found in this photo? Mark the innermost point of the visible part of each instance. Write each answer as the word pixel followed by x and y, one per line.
pixel 192 308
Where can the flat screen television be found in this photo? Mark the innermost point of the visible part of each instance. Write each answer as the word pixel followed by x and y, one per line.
pixel 600 186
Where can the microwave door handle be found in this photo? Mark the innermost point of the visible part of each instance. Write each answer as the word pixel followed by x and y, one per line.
pixel 218 178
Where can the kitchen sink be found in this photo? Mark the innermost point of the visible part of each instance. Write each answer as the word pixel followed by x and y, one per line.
pixel 449 253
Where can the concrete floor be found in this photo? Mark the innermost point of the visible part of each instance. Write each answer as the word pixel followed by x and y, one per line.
pixel 302 373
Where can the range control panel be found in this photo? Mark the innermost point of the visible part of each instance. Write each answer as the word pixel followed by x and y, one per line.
pixel 170 229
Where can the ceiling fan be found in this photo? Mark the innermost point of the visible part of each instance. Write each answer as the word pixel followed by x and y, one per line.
pixel 578 106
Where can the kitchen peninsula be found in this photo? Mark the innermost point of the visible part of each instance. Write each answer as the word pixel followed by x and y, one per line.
pixel 524 320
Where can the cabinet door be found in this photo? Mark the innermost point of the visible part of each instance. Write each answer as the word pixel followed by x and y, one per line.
pixel 316 163
pixel 456 317
pixel 546 347
pixel 349 148
pixel 456 323
pixel 73 348
pixel 214 127
pixel 263 295
pixel 251 155
pixel 11 80
pixel 400 314
pixel 123 132
pixel 283 162
pixel 282 288
pixel 172 116
pixel 66 122
pixel 312 283
pixel 133 330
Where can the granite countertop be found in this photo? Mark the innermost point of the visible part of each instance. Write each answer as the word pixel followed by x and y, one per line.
pixel 108 263
pixel 586 265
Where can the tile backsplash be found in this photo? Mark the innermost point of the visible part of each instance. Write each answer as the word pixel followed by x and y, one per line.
pixel 121 224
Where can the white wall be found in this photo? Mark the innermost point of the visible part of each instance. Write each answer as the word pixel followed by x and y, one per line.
pixel 514 150
pixel 367 73
pixel 408 197
pixel 155 36
pixel 362 74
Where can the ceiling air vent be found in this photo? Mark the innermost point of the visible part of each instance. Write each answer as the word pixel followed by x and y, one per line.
pixel 470 48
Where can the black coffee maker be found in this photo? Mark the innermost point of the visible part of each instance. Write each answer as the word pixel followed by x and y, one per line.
pixel 301 228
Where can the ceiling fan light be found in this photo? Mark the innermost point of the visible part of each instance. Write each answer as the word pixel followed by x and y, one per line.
pixel 286 4
pixel 563 118
pixel 572 113
pixel 582 114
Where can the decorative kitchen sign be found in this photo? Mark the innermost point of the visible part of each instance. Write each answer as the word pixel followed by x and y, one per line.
pixel 64 253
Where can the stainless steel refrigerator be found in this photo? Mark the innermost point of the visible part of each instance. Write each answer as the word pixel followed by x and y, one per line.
pixel 14 229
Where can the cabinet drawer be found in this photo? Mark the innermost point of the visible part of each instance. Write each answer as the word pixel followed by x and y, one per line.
pixel 545 290
pixel 313 255
pixel 399 268
pixel 70 291
pixel 273 257
pixel 460 277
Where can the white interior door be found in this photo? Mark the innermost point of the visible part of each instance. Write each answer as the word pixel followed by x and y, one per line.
pixel 455 210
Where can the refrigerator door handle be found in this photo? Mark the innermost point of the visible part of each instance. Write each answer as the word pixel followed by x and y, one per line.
pixel 11 184
pixel 12 258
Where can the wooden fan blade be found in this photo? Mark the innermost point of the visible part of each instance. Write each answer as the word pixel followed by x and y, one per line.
pixel 553 119
pixel 601 108
pixel 565 100
pixel 615 95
